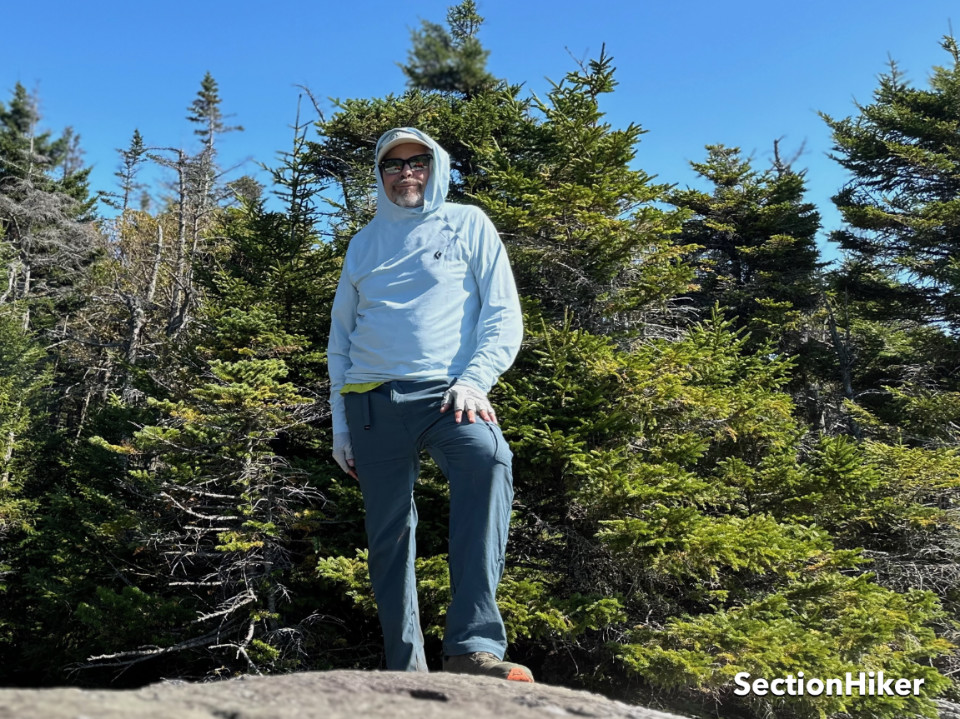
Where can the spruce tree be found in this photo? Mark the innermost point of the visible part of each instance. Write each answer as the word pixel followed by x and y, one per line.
pixel 900 205
pixel 892 304
pixel 587 232
pixel 27 153
pixel 132 160
pixel 45 216
pixel 756 242
pixel 450 59
pixel 24 377
pixel 205 112
pixel 223 505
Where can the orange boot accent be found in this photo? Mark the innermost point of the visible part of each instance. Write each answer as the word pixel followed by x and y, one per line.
pixel 519 675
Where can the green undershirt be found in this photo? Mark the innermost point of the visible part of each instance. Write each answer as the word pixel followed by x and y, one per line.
pixel 359 387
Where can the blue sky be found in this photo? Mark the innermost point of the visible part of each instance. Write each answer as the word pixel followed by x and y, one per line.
pixel 741 73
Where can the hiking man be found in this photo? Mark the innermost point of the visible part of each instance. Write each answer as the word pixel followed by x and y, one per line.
pixel 425 319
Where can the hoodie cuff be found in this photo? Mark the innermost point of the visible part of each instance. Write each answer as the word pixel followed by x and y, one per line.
pixel 473 380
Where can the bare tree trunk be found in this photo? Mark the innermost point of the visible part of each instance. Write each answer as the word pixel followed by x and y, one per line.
pixel 83 410
pixel 8 451
pixel 105 392
pixel 845 358
pixel 203 206
pixel 843 354
pixel 179 270
pixel 155 270
pixel 33 131
pixel 14 270
pixel 136 323
pixel 138 318
pixel 26 294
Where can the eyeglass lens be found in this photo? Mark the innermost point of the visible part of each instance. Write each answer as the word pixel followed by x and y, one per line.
pixel 395 165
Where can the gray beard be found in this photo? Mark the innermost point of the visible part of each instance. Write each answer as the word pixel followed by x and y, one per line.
pixel 406 199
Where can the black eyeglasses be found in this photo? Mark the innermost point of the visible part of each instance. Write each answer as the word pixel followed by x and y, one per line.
pixel 417 163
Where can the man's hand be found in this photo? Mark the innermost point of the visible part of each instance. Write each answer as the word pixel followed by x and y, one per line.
pixel 464 398
pixel 343 453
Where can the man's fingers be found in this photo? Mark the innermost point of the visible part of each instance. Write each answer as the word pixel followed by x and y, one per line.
pixel 469 400
pixel 489 415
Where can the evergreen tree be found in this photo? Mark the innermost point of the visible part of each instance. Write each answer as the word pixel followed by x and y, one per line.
pixel 200 194
pixel 131 160
pixel 23 380
pixel 205 112
pixel 45 223
pixel 25 151
pixel 756 242
pixel 450 59
pixel 893 308
pixel 223 507
pixel 585 230
pixel 900 205
pixel 29 154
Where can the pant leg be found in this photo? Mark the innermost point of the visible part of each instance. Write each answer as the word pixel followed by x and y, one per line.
pixel 477 461
pixel 387 465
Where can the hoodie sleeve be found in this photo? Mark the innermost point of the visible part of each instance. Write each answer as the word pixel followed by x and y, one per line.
pixel 343 320
pixel 500 324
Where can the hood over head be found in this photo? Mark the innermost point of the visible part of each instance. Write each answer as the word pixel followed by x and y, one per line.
pixel 438 183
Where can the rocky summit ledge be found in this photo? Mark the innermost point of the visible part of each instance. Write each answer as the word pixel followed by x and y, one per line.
pixel 322 695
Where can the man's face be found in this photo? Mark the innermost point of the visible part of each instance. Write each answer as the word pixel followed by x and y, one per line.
pixel 406 187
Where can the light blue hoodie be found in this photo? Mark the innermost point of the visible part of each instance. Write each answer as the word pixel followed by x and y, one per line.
pixel 425 293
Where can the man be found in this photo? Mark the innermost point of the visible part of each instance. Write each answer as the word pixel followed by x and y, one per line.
pixel 425 319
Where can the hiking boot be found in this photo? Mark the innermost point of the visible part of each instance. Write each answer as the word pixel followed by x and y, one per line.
pixel 487 664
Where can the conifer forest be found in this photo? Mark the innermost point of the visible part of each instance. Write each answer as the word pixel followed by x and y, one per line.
pixel 730 455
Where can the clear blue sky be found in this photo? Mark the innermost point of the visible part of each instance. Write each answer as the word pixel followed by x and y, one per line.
pixel 741 73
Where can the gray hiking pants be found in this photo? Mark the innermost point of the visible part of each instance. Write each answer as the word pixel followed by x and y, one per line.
pixel 389 426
